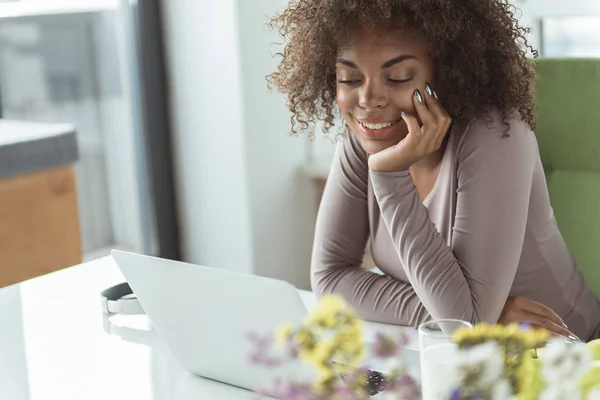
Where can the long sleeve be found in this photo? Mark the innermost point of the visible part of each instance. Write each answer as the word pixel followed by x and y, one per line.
pixel 470 279
pixel 342 230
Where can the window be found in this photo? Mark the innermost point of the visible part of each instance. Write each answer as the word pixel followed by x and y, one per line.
pixel 570 36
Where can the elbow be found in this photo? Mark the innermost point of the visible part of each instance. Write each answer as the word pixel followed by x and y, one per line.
pixel 315 287
pixel 317 281
pixel 323 279
pixel 475 315
pixel 321 285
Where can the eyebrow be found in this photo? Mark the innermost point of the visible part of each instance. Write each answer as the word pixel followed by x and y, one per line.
pixel 385 65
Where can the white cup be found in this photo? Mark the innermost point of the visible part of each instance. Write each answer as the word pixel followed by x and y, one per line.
pixel 437 353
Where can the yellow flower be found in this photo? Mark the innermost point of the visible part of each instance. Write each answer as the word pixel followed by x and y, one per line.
pixel 530 383
pixel 542 335
pixel 306 341
pixel 535 337
pixel 331 312
pixel 322 353
pixel 514 342
pixel 594 347
pixel 331 332
pixel 463 334
pixel 591 379
pixel 496 331
pixel 283 334
pixel 351 341
pixel 513 330
pixel 481 330
pixel 324 386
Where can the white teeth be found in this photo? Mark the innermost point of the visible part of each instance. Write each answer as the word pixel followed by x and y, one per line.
pixel 376 126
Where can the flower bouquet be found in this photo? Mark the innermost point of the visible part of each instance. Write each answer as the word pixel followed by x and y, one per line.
pixel 492 362
pixel 520 363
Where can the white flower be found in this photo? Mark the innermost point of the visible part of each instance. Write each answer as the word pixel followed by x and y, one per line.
pixel 484 361
pixel 562 366
pixel 561 391
pixel 593 394
pixel 562 362
pixel 501 390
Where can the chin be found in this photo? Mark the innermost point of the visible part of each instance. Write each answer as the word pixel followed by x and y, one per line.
pixel 372 148
pixel 375 146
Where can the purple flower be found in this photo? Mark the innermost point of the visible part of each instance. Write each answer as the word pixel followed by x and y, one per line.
pixel 263 342
pixel 384 347
pixel 260 353
pixel 345 392
pixel 404 386
pixel 524 326
pixel 403 340
pixel 455 394
pixel 290 391
pixel 265 360
pixel 298 392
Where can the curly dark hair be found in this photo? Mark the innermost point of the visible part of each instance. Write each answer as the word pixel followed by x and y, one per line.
pixel 478 47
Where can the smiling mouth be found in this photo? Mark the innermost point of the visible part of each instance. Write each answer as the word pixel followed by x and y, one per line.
pixel 375 127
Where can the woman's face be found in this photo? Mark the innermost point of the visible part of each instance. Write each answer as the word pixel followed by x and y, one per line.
pixel 376 80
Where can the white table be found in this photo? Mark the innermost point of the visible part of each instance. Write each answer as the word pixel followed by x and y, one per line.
pixel 56 344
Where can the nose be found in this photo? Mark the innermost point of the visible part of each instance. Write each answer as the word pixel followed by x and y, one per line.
pixel 372 95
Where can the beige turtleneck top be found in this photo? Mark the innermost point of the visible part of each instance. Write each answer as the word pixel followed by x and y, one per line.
pixel 485 232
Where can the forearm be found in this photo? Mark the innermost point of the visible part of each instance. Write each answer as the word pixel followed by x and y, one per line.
pixel 375 297
pixel 432 269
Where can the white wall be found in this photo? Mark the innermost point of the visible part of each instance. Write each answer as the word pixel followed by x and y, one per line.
pixel 282 199
pixel 244 203
pixel 202 40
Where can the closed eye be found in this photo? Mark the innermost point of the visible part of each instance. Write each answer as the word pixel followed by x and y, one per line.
pixel 349 81
pixel 398 81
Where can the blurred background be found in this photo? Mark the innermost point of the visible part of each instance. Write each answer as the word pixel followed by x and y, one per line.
pixel 181 151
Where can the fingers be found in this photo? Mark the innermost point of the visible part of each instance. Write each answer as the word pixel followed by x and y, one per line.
pixel 519 309
pixel 549 326
pixel 539 309
pixel 436 120
pixel 442 117
pixel 434 104
pixel 378 161
pixel 426 116
pixel 414 130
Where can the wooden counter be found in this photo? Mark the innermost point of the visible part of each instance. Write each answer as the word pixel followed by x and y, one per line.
pixel 39 223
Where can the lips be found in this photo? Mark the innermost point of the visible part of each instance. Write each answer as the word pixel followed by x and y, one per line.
pixel 378 129
pixel 376 126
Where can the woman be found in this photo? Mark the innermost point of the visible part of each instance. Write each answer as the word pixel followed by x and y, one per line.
pixel 439 167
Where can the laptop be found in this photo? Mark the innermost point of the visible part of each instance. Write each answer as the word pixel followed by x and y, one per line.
pixel 203 315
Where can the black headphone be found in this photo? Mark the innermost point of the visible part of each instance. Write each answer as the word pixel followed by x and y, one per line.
pixel 120 299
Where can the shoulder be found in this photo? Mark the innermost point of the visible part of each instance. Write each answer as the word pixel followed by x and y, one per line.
pixel 351 151
pixel 350 165
pixel 493 133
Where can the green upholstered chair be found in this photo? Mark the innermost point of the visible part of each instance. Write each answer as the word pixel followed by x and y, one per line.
pixel 568 132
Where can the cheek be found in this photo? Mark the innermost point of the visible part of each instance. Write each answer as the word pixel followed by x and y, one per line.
pixel 403 100
pixel 345 99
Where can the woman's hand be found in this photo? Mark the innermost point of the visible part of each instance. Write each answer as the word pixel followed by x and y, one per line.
pixel 521 310
pixel 420 140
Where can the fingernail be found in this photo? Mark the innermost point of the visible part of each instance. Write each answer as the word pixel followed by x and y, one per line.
pixel 565 326
pixel 404 113
pixel 567 340
pixel 574 338
pixel 428 89
pixel 418 96
pixel 435 95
